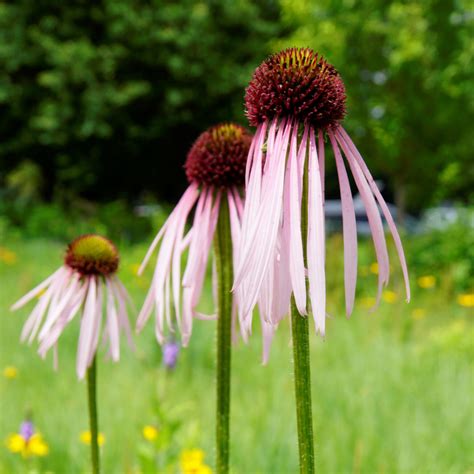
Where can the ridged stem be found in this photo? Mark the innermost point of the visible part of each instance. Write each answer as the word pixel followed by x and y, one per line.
pixel 223 252
pixel 301 361
pixel 93 420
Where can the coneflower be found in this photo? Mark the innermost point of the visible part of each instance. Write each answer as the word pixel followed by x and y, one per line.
pixel 215 168
pixel 85 284
pixel 296 100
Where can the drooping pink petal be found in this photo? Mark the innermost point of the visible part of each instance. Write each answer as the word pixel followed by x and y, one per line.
pixel 112 323
pixel 55 311
pixel 386 212
pixel 321 160
pixel 51 338
pixel 97 323
pixel 189 194
pixel 168 262
pixel 122 299
pixel 35 291
pixel 258 250
pixel 373 216
pixel 254 184
pixel 200 225
pixel 33 322
pixel 87 328
pixel 316 239
pixel 255 149
pixel 349 228
pixel 292 198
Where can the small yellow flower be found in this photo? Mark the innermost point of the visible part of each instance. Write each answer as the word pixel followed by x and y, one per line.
pixel 10 372
pixel 374 268
pixel 7 256
pixel 389 296
pixel 466 300
pixel 150 433
pixel 368 301
pixel 35 446
pixel 192 462
pixel 427 281
pixel 418 313
pixel 86 438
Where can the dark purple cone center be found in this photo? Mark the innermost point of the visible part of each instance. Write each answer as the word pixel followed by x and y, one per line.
pixel 218 156
pixel 299 83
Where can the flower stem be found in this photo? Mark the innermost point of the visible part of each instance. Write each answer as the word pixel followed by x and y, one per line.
pixel 93 422
pixel 223 252
pixel 301 361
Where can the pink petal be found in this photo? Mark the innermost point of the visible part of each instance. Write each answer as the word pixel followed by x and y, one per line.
pixel 375 221
pixel 112 323
pixel 349 228
pixel 316 239
pixel 35 291
pixel 87 328
pixel 293 195
pixel 383 206
pixel 259 248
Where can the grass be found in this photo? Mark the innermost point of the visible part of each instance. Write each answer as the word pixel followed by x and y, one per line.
pixel 392 393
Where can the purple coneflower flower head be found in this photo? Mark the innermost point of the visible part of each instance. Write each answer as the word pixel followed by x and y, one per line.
pixel 296 99
pixel 85 284
pixel 215 168
pixel 170 354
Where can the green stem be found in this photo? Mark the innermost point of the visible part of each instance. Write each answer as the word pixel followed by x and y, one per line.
pixel 93 422
pixel 223 252
pixel 301 361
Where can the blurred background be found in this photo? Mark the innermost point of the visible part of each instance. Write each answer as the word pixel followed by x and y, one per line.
pixel 99 104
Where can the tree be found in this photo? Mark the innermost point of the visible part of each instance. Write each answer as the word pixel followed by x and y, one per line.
pixel 108 96
pixel 407 68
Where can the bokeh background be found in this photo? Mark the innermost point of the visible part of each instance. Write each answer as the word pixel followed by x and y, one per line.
pixel 99 103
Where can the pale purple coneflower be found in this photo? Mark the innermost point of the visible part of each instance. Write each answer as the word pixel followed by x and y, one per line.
pixel 86 283
pixel 215 168
pixel 296 99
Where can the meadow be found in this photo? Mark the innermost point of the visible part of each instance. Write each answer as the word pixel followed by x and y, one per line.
pixel 392 389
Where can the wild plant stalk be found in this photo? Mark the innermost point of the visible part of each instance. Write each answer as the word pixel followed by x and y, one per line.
pixel 93 420
pixel 301 362
pixel 223 251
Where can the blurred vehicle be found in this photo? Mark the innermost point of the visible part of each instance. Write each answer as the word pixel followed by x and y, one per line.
pixel 446 215
pixel 333 212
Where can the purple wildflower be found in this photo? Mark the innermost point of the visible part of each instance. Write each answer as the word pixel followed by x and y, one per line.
pixel 170 354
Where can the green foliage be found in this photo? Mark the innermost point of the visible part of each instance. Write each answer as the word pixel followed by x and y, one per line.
pixel 446 251
pixel 107 97
pixel 407 67
pixel 385 399
pixel 114 219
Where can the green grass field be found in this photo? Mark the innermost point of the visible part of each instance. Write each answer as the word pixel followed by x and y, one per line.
pixel 392 391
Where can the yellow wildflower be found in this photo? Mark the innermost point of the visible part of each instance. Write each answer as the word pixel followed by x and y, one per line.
pixel 192 462
pixel 7 256
pixel 34 446
pixel 418 313
pixel 10 372
pixel 466 300
pixel 86 438
pixel 150 433
pixel 389 296
pixel 374 268
pixel 427 281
